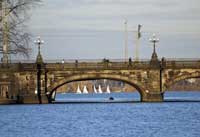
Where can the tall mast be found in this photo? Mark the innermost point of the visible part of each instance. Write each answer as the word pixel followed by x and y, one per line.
pixel 125 41
pixel 137 42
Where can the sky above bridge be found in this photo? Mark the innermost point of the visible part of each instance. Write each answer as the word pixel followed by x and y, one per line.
pixel 86 29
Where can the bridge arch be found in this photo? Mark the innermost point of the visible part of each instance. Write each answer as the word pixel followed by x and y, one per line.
pixel 184 76
pixel 92 76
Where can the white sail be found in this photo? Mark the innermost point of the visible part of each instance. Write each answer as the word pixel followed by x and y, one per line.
pixel 95 90
pixel 85 91
pixel 78 90
pixel 108 89
pixel 53 95
pixel 100 90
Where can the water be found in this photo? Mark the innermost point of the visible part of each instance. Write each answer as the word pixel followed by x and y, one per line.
pixel 118 97
pixel 168 119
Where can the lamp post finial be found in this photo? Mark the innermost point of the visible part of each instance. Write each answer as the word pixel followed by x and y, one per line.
pixel 39 42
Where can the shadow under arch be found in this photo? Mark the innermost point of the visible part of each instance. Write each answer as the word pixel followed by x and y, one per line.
pixel 180 78
pixel 92 76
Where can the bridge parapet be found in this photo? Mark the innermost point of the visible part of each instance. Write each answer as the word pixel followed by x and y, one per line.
pixel 18 66
pixel 107 65
pixel 182 64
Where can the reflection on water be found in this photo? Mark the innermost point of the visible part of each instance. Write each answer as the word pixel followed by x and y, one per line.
pixel 127 96
pixel 176 119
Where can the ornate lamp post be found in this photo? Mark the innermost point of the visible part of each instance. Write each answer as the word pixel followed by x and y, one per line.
pixel 154 40
pixel 39 42
pixel 39 62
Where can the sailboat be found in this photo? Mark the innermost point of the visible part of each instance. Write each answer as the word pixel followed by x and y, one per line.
pixel 85 91
pixel 100 90
pixel 95 90
pixel 53 95
pixel 78 90
pixel 108 89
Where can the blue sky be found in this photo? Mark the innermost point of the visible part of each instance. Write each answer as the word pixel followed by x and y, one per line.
pixel 93 29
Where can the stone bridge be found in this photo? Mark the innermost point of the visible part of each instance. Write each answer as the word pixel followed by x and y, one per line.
pixel 19 81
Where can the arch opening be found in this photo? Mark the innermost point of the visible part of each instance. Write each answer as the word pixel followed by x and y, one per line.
pixel 183 89
pixel 96 90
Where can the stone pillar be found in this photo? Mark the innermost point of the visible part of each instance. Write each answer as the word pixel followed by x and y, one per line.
pixel 41 84
pixel 153 93
pixel 7 89
pixel 41 79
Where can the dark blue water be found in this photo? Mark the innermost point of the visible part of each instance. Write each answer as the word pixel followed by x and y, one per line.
pixel 168 119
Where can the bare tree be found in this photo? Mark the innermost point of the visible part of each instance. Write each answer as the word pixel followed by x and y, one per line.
pixel 16 14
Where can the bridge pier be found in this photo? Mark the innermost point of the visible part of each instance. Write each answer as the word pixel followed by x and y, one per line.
pixel 33 99
pixel 7 86
pixel 152 97
pixel 32 86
